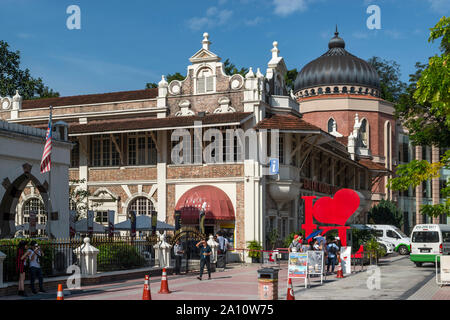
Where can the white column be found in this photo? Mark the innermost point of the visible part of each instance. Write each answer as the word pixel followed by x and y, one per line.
pixel 162 176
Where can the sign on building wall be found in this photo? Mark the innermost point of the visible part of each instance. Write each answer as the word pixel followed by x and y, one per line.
pixel 274 166
pixel 33 221
pixel 111 215
pixel 90 221
pixel 133 224
pixel 72 216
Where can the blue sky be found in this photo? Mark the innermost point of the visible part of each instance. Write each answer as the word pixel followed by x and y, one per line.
pixel 122 45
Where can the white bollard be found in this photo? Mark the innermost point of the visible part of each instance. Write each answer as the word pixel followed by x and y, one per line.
pixel 2 258
pixel 87 255
pixel 214 247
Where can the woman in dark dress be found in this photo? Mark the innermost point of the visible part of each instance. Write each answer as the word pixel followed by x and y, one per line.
pixel 22 255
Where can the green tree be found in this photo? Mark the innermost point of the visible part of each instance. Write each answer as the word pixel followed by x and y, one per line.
pixel 13 78
pixel 386 212
pixel 230 69
pixel 289 78
pixel 425 111
pixel 390 84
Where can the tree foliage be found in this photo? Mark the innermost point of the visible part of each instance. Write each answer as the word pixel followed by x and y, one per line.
pixel 79 199
pixel 13 78
pixel 390 84
pixel 385 212
pixel 290 77
pixel 425 111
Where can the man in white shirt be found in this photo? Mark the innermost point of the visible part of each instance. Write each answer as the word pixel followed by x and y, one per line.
pixel 35 254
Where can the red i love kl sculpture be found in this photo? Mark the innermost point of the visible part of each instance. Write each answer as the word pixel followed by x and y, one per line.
pixel 334 211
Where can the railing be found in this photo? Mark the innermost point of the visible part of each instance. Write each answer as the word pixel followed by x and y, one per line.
pixel 116 253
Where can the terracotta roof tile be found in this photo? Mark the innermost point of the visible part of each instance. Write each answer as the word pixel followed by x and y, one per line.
pixel 91 99
pixel 154 123
pixel 285 122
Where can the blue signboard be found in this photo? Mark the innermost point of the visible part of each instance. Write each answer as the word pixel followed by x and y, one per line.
pixel 274 166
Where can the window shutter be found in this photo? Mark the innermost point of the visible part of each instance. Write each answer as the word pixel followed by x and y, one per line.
pixel 209 84
pixel 201 85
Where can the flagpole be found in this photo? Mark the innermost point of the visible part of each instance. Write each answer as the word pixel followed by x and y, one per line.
pixel 49 213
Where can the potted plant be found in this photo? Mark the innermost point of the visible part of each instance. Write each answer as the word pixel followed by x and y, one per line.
pixel 255 255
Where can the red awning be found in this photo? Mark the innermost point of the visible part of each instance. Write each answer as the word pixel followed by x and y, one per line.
pixel 218 205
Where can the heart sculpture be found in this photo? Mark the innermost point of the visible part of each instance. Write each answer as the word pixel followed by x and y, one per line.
pixel 338 209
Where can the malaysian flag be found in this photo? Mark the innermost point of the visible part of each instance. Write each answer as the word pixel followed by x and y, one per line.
pixel 46 159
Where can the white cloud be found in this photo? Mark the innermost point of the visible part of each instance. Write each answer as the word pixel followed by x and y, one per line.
pixel 440 6
pixel 214 17
pixel 253 22
pixel 360 35
pixel 394 34
pixel 287 7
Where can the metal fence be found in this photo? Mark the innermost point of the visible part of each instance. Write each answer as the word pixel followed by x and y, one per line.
pixel 115 253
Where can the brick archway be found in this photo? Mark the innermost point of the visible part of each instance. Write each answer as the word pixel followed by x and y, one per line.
pixel 11 198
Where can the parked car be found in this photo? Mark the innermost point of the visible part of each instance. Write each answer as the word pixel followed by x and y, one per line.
pixel 392 234
pixel 429 240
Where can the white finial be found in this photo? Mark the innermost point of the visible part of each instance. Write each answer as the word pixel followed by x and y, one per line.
pixel 250 73
pixel 17 97
pixel 206 41
pixel 259 74
pixel 163 82
pixel 356 118
pixel 275 50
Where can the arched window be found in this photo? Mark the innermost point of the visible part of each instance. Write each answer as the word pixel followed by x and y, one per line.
pixel 36 205
pixel 320 90
pixel 360 90
pixel 365 133
pixel 352 90
pixel 313 92
pixel 327 90
pixel 141 206
pixel 344 90
pixel 336 90
pixel 205 81
pixel 331 123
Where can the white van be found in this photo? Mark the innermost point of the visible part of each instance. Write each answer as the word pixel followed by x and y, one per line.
pixel 394 235
pixel 386 244
pixel 429 240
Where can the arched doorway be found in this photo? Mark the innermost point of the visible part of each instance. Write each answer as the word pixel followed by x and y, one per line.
pixel 11 198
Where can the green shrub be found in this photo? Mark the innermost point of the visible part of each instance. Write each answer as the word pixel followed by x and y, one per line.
pixel 118 255
pixel 254 245
pixel 288 240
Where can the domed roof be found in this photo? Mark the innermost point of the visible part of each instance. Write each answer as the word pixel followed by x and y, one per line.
pixel 337 67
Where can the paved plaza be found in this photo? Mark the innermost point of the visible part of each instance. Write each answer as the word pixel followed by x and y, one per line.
pixel 399 280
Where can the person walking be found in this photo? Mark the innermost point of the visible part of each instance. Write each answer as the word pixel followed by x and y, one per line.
pixel 332 250
pixel 222 251
pixel 305 246
pixel 22 256
pixel 205 258
pixel 296 244
pixel 35 254
pixel 179 252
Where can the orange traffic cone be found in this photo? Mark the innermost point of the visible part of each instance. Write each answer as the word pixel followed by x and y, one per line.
pixel 164 285
pixel 340 274
pixel 146 295
pixel 60 294
pixel 290 291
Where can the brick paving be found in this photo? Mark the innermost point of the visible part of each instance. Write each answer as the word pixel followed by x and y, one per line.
pixel 400 280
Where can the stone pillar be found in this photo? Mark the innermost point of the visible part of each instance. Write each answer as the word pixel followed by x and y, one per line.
pixel 162 252
pixel 214 246
pixel 87 255
pixel 419 218
pixel 2 258
pixel 435 181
